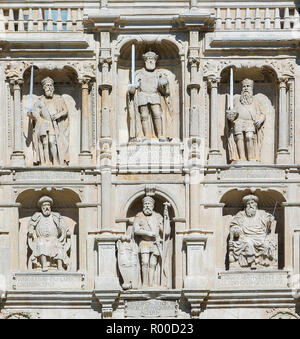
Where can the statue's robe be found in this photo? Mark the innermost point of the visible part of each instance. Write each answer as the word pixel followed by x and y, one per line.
pixel 43 125
pixel 149 93
pixel 259 109
pixel 50 235
pixel 254 244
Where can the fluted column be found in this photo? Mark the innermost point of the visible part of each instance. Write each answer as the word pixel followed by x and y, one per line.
pixel 283 143
pixel 215 156
pixel 85 153
pixel 17 157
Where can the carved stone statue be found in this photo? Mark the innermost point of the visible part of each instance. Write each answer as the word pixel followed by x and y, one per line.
pixel 51 128
pixel 250 243
pixel 143 255
pixel 246 124
pixel 148 104
pixel 48 238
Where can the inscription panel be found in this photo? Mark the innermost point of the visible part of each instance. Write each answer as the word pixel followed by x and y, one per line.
pixel 48 281
pixel 151 309
pixel 258 280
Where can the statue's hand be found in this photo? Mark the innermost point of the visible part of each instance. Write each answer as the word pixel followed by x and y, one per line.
pixel 259 123
pixel 231 115
pixel 56 116
pixel 131 89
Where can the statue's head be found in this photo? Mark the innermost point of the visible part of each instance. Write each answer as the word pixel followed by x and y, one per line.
pixel 251 205
pixel 48 86
pixel 150 59
pixel 148 205
pixel 45 204
pixel 247 91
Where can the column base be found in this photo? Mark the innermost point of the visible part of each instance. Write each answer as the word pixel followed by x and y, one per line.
pixel 283 158
pixel 18 159
pixel 215 158
pixel 85 158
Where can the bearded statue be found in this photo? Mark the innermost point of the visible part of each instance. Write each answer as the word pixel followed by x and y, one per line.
pixel 250 242
pixel 246 123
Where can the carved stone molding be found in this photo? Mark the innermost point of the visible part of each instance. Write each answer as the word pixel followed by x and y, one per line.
pixel 282 313
pixel 282 68
pixel 140 38
pixel 6 314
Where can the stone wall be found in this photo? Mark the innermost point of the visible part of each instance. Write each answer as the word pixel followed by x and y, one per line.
pixel 141 175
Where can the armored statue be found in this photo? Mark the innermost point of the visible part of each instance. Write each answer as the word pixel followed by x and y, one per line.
pixel 250 241
pixel 50 119
pixel 143 254
pixel 246 124
pixel 150 115
pixel 48 238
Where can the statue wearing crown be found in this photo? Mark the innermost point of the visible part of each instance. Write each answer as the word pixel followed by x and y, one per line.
pixel 150 113
pixel 50 119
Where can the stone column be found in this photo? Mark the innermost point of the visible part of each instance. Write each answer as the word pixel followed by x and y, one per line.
pixel 215 156
pixel 194 85
pixel 283 143
pixel 85 153
pixel 18 157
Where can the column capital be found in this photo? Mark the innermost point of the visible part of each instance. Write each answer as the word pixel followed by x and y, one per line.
pixel 16 82
pixel 283 81
pixel 194 61
pixel 213 81
pixel 105 60
pixel 85 82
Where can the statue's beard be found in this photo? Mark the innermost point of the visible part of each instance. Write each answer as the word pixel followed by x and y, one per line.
pixel 251 211
pixel 246 98
pixel 147 211
pixel 49 94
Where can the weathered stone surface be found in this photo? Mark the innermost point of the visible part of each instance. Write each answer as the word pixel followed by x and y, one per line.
pixel 192 104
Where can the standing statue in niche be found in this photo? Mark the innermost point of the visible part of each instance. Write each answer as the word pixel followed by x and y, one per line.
pixel 150 114
pixel 250 242
pixel 143 254
pixel 51 128
pixel 48 238
pixel 246 124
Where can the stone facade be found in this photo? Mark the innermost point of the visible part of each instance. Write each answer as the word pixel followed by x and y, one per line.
pixel 149 159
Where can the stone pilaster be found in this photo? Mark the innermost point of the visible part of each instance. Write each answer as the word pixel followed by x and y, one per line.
pixel 85 155
pixel 215 156
pixel 17 157
pixel 283 143
pixel 194 85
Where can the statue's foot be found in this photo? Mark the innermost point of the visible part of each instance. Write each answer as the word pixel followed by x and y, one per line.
pixel 163 139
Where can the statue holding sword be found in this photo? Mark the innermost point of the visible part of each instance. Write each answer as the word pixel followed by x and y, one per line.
pixel 50 120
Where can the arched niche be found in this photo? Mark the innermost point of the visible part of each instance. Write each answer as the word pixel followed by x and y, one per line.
pixel 269 200
pixel 169 61
pixel 65 201
pixel 66 85
pixel 266 85
pixel 135 207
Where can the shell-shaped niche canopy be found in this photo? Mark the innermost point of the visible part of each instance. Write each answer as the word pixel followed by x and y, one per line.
pixel 166 50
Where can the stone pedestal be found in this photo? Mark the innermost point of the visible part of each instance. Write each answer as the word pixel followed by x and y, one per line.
pixel 195 245
pixel 107 278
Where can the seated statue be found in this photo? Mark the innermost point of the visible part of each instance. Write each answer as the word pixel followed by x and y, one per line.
pixel 250 244
pixel 48 238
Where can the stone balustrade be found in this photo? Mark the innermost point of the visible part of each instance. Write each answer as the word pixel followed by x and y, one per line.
pixel 276 18
pixel 41 20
